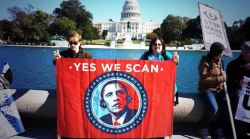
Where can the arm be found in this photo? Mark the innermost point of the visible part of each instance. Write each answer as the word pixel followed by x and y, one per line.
pixel 56 56
pixel 174 56
pixel 88 55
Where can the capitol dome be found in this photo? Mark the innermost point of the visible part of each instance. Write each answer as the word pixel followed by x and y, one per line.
pixel 131 11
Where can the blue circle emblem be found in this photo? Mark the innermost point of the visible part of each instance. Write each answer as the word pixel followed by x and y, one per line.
pixel 97 113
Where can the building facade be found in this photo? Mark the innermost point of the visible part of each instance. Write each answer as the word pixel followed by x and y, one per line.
pixel 130 23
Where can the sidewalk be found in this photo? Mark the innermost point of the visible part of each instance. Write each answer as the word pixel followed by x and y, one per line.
pixel 50 133
pixel 37 109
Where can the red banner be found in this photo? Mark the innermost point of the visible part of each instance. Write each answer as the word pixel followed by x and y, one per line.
pixel 115 98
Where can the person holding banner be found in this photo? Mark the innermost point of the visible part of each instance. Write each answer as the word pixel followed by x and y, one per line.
pixel 157 51
pixel 236 70
pixel 211 90
pixel 6 75
pixel 75 50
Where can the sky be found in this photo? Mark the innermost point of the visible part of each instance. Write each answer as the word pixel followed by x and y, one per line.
pixel 155 10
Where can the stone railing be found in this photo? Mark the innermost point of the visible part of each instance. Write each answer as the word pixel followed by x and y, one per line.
pixel 40 106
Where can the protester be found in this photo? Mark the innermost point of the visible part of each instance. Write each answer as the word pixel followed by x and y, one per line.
pixel 75 50
pixel 157 51
pixel 6 75
pixel 236 70
pixel 211 91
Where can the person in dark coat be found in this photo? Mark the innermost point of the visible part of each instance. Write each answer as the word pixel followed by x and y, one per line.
pixel 236 70
pixel 75 50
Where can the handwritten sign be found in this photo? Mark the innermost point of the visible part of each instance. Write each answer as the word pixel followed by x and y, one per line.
pixel 243 109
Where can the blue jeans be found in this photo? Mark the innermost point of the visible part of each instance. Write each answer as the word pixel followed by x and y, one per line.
pixel 215 104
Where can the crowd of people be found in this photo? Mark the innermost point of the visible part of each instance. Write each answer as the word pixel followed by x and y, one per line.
pixel 212 83
pixel 212 79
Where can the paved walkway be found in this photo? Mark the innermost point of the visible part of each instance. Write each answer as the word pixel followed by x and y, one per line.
pixel 50 133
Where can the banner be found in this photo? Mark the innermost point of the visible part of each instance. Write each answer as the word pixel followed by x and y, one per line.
pixel 10 121
pixel 213 29
pixel 115 98
pixel 243 109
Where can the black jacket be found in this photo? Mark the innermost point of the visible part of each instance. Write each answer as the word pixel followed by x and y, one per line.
pixel 81 54
pixel 69 54
pixel 235 73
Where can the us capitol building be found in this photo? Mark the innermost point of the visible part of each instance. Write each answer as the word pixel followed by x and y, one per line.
pixel 130 24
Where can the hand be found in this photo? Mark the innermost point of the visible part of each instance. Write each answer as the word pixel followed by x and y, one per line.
pixel 57 54
pixel 175 57
pixel 242 82
pixel 247 67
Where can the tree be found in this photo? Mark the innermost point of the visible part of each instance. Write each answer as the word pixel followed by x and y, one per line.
pixel 29 25
pixel 193 30
pixel 158 32
pixel 71 9
pixel 62 27
pixel 23 21
pixel 13 11
pixel 40 26
pixel 172 27
pixel 238 33
pixel 151 35
pixel 6 30
pixel 75 11
pixel 246 29
pixel 90 33
pixel 104 34
pixel 234 35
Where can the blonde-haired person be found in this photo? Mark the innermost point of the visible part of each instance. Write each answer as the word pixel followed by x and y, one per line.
pixel 74 50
